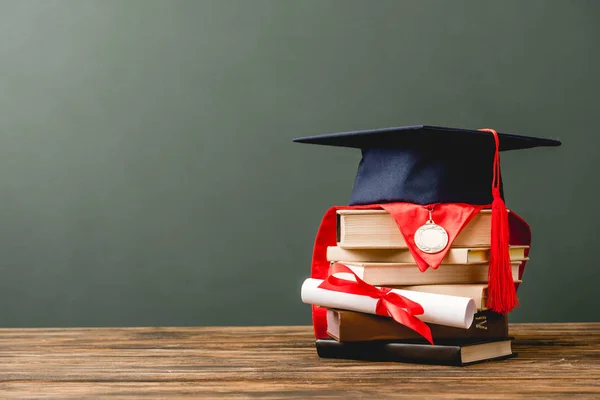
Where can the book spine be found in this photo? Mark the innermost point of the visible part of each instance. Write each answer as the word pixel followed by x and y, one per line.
pixel 355 327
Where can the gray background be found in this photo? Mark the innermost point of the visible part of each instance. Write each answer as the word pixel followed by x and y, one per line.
pixel 147 174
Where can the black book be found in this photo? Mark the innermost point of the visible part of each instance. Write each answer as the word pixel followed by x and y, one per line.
pixel 447 353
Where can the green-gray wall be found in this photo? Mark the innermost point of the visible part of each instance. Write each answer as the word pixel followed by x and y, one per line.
pixel 147 174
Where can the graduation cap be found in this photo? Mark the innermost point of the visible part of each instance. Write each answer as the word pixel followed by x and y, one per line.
pixel 405 168
pixel 425 164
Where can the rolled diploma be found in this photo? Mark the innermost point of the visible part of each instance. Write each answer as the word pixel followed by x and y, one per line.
pixel 440 309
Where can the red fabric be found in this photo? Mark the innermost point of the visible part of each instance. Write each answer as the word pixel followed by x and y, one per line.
pixel 519 234
pixel 326 236
pixel 389 304
pixel 409 217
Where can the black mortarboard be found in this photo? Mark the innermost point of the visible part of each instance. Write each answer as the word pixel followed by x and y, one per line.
pixel 425 164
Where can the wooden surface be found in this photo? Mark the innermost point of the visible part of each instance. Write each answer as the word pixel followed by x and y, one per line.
pixel 555 361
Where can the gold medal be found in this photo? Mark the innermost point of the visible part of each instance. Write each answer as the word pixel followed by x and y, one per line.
pixel 431 238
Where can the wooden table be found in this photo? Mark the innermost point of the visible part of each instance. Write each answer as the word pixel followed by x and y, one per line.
pixel 555 361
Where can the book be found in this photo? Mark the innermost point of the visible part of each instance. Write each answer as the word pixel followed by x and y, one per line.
pixel 456 255
pixel 377 229
pixel 477 292
pixel 448 353
pixel 409 274
pixel 350 326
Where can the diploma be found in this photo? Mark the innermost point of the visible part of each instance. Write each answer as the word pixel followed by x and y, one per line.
pixel 438 309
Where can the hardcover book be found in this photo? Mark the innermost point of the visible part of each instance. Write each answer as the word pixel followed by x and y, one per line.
pixel 377 229
pixel 409 274
pixel 449 353
pixel 456 255
pixel 350 326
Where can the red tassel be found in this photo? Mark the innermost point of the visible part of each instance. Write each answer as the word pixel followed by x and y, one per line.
pixel 502 296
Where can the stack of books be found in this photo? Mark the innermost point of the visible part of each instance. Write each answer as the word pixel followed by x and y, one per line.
pixel 370 244
pixel 377 302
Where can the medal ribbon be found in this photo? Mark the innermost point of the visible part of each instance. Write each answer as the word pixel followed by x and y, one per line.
pixel 389 304
pixel 409 218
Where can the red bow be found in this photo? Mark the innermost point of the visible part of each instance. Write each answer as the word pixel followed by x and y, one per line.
pixel 389 304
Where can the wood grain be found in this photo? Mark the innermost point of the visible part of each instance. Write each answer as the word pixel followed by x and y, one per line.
pixel 555 361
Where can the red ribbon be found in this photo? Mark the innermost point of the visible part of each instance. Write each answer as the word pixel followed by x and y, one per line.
pixel 389 304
